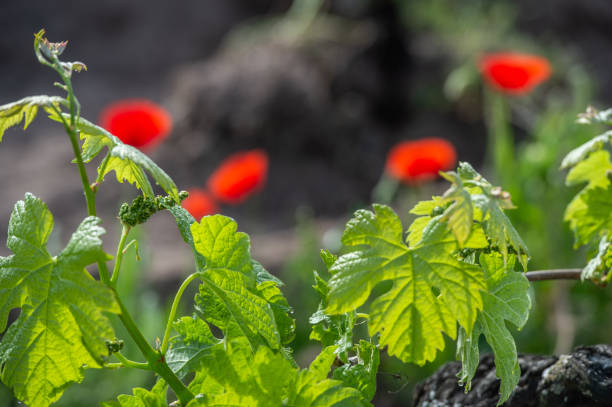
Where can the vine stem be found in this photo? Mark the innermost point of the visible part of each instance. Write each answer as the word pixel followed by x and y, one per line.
pixel 154 359
pixel 71 129
pixel 174 310
pixel 557 274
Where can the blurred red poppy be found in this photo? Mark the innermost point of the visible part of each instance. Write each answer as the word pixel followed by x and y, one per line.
pixel 420 160
pixel 199 203
pixel 514 73
pixel 239 176
pixel 139 123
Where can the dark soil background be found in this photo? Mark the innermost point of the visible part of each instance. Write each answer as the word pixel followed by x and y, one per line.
pixel 326 110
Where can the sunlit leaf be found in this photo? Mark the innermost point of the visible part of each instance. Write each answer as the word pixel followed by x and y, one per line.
pixel 580 153
pixel 25 110
pixel 506 299
pixel 194 341
pixel 411 318
pixel 61 328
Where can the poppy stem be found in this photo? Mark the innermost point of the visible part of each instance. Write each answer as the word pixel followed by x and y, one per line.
pixel 500 138
pixel 385 189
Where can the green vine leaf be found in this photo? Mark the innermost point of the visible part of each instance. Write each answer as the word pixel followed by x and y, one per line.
pixel 193 342
pixel 61 328
pixel 142 397
pixel 489 204
pixel 592 170
pixel 129 163
pixel 228 295
pixel 460 214
pixel 432 290
pixel 588 213
pixel 580 153
pixel 314 389
pixel 25 110
pixel 331 330
pixel 598 268
pixel 500 230
pixel 506 299
pixel 361 374
pixel 237 377
pixel 236 294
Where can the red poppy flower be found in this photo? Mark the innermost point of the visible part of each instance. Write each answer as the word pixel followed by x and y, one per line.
pixel 514 73
pixel 420 160
pixel 199 203
pixel 139 123
pixel 239 176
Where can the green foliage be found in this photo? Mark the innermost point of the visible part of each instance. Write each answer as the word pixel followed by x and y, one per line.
pixel 589 214
pixel 314 389
pixel 143 207
pixel 410 317
pixel 579 154
pixel 230 296
pixel 490 202
pixel 25 110
pixel 61 327
pixel 142 397
pixel 597 269
pixel 193 342
pixel 331 330
pixel 129 163
pixel 506 298
pixel 236 294
pixel 436 284
pixel 237 377
pixel 451 275
pixel 362 373
pixel 460 214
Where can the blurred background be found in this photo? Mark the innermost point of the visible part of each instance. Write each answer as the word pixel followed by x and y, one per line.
pixel 326 88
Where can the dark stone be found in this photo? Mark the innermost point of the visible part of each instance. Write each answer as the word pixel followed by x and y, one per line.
pixel 582 378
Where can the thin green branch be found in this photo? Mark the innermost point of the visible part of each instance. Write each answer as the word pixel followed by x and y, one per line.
pixel 72 133
pixel 173 311
pixel 154 358
pixel 113 365
pixel 125 230
pixel 130 363
pixel 558 274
